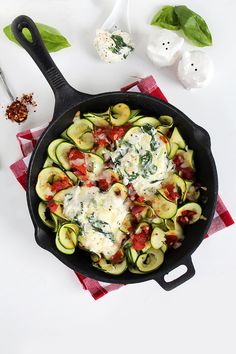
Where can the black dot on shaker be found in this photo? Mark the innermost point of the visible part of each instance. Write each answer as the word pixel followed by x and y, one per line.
pixel 163 43
pixel 195 69
pixel 192 64
pixel 168 42
pixel 166 48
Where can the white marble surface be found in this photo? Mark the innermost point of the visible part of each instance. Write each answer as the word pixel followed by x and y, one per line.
pixel 43 309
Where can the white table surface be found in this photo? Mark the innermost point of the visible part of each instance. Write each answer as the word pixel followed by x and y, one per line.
pixel 43 308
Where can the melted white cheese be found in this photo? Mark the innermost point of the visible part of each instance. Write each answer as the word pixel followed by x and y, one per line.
pixel 99 215
pixel 113 47
pixel 142 164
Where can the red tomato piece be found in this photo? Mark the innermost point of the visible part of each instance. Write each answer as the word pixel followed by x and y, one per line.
pixel 171 240
pixel 103 184
pixel 171 193
pixel 100 137
pixel 117 257
pixel 81 176
pixel 90 184
pixel 75 154
pixel 178 160
pixel 115 133
pixel 60 184
pixel 139 240
pixel 139 199
pixel 187 173
pixel 52 206
pixel 186 216
pixel 136 210
pixel 81 169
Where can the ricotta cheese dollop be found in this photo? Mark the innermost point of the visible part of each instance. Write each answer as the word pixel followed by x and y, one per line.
pixel 142 160
pixel 99 216
pixel 112 47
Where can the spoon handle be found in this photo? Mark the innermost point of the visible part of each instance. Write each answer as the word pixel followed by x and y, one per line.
pixel 6 85
pixel 119 17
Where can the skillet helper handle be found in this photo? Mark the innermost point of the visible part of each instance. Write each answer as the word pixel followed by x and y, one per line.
pixel 170 285
pixel 66 97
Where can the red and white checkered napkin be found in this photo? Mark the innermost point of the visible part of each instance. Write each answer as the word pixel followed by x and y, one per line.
pixel 27 141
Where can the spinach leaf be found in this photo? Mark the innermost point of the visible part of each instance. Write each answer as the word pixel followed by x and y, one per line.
pixel 147 129
pixel 154 144
pixel 151 131
pixel 52 38
pixel 132 176
pixel 119 44
pixel 193 26
pixel 145 159
pixel 166 18
pixel 101 227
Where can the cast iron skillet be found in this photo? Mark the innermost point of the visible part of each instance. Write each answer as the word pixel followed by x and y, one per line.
pixel 67 102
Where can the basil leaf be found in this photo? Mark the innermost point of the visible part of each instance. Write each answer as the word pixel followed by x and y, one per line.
pixel 193 26
pixel 52 38
pixel 166 18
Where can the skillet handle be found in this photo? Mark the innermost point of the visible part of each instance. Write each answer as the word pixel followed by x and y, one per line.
pixel 170 285
pixel 66 97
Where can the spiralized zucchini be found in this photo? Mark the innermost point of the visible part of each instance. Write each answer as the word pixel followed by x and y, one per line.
pixel 141 163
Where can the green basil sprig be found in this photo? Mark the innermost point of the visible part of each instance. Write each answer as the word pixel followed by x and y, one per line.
pixel 181 17
pixel 52 38
pixel 166 18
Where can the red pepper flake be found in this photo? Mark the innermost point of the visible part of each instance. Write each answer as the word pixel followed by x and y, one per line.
pixel 18 110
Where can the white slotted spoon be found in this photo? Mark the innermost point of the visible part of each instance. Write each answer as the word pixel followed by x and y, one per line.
pixel 118 18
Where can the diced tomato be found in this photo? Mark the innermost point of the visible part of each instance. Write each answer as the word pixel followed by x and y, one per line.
pixel 49 197
pixel 139 240
pixel 100 137
pixel 75 154
pixel 171 193
pixel 178 160
pixel 136 210
pixel 145 229
pixel 90 184
pixel 171 240
pixel 187 173
pixel 52 206
pixel 113 179
pixel 186 216
pixel 139 199
pixel 80 176
pixel 115 133
pixel 60 184
pixel 81 169
pixel 117 257
pixel 103 184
